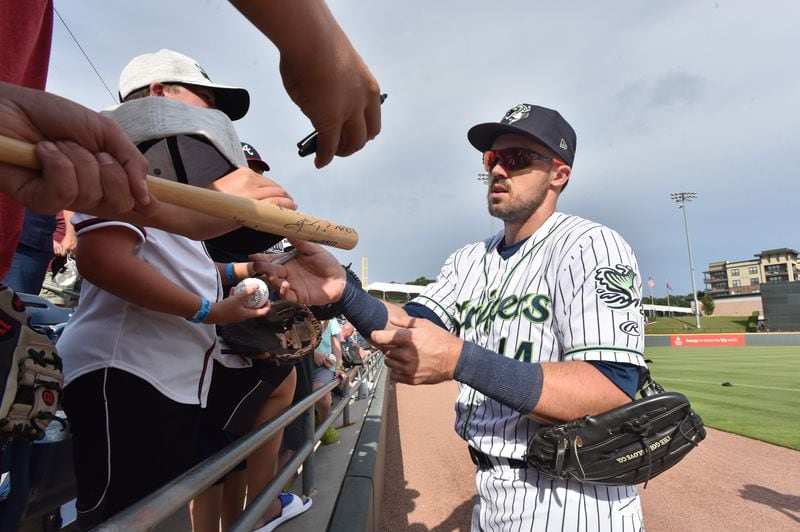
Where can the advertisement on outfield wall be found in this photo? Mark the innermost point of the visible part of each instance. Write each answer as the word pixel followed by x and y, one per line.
pixel 706 340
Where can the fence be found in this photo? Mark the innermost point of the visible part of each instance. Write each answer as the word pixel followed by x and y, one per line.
pixel 172 497
pixel 750 339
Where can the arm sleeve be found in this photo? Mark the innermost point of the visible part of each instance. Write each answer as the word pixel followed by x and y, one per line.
pixel 417 310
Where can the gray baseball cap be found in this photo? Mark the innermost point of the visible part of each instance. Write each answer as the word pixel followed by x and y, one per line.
pixel 166 66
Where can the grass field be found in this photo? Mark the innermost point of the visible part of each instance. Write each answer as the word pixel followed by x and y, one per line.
pixel 687 325
pixel 764 401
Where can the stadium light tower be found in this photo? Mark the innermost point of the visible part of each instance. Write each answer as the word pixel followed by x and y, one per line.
pixel 682 198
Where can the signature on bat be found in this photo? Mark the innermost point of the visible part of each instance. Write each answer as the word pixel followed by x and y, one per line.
pixel 318 226
pixel 304 224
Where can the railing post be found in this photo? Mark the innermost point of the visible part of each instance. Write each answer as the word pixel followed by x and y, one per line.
pixel 346 397
pixel 308 465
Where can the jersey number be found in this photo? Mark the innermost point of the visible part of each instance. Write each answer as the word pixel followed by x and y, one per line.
pixel 524 352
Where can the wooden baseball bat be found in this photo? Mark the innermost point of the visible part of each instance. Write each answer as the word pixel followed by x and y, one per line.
pixel 257 215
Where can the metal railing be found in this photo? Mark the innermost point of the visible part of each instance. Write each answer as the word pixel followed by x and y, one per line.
pixel 175 495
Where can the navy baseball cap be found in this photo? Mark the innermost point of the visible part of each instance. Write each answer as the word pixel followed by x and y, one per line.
pixel 545 126
pixel 253 157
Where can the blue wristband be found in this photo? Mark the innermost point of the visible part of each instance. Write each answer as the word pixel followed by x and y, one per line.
pixel 229 273
pixel 515 384
pixel 202 314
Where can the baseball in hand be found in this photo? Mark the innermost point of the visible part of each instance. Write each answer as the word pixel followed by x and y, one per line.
pixel 258 298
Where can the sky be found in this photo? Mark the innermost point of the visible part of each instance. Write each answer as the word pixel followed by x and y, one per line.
pixel 680 96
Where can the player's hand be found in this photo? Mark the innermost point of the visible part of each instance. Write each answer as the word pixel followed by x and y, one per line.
pixel 232 309
pixel 249 184
pixel 313 277
pixel 418 352
pixel 88 163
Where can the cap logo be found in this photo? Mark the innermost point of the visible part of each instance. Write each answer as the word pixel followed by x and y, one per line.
pixel 517 113
pixel 563 144
pixel 203 72
pixel 248 150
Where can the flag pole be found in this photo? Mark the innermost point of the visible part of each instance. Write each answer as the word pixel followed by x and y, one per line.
pixel 668 290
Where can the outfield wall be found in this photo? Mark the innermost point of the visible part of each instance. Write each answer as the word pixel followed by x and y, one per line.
pixel 751 339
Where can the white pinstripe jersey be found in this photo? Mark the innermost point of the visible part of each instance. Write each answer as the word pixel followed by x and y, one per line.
pixel 571 292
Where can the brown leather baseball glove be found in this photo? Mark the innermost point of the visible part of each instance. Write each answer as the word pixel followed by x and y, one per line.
pixel 287 333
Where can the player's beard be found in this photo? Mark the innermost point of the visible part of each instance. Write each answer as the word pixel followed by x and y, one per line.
pixel 516 212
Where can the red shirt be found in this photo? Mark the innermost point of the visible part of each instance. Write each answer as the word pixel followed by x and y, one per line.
pixel 26 31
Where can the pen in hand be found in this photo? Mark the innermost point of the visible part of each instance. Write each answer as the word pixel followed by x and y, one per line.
pixel 308 144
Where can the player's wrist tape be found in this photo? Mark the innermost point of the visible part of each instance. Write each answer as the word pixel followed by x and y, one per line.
pixel 202 314
pixel 366 313
pixel 515 384
pixel 229 273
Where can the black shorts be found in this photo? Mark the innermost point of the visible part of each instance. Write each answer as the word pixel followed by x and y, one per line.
pixel 210 440
pixel 128 440
pixel 234 399
pixel 237 394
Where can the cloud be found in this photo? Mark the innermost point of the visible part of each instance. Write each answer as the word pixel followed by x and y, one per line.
pixel 665 97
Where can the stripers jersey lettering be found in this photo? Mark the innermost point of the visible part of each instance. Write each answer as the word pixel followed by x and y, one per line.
pixel 533 307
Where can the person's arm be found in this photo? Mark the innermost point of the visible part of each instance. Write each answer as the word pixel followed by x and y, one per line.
pixel 321 72
pixel 198 226
pixel 233 272
pixel 420 352
pixel 315 277
pixel 70 240
pixel 88 163
pixel 106 259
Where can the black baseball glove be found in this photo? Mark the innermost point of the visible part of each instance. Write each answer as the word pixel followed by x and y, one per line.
pixel 287 333
pixel 624 446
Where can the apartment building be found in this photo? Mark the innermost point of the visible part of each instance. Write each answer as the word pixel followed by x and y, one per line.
pixel 743 277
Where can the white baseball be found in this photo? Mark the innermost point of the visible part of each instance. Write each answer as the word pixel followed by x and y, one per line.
pixel 258 298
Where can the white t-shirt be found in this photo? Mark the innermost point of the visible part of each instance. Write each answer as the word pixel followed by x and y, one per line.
pixel 170 352
pixel 183 143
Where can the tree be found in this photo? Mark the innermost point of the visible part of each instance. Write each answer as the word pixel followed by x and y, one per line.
pixel 421 281
pixel 707 304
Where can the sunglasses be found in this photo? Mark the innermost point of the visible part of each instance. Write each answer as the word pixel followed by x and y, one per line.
pixel 512 159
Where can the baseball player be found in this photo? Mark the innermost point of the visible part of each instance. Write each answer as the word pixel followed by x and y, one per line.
pixel 540 323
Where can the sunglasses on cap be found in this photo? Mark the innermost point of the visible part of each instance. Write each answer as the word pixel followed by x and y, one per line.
pixel 512 159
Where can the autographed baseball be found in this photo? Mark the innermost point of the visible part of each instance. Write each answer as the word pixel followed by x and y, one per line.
pixel 258 298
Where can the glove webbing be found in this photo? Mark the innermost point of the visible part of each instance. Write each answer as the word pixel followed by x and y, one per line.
pixel 642 430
